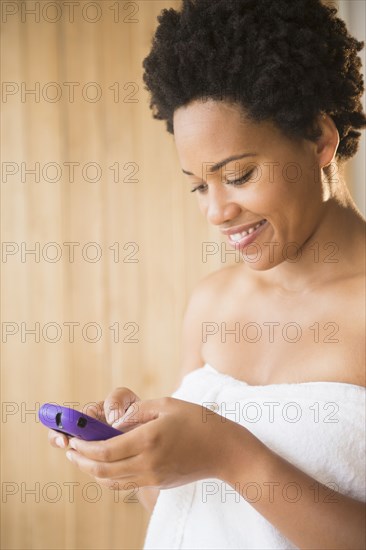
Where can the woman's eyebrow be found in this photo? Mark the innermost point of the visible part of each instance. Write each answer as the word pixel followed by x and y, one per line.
pixel 218 165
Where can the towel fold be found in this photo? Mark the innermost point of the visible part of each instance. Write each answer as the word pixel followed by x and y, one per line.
pixel 317 426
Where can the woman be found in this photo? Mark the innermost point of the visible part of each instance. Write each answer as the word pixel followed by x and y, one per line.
pixel 262 445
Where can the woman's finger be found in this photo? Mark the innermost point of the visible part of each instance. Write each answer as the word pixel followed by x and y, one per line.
pixel 103 470
pixel 96 410
pixel 58 439
pixel 140 413
pixel 116 448
pixel 117 402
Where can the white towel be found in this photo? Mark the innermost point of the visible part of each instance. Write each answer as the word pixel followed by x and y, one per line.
pixel 317 426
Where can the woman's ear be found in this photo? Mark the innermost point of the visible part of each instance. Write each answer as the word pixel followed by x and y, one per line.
pixel 327 143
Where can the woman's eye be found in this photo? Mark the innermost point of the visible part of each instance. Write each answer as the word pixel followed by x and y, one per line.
pixel 239 181
pixel 198 188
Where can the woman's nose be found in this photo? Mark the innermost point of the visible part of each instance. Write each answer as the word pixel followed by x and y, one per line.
pixel 220 207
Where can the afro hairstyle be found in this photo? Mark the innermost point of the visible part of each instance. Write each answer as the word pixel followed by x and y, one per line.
pixel 286 61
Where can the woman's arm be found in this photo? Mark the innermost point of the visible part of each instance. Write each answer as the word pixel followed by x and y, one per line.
pixel 309 514
pixel 152 455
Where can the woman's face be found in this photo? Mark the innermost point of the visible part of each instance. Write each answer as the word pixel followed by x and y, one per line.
pixel 278 185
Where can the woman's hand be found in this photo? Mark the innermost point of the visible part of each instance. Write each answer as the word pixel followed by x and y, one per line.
pixel 167 442
pixel 108 411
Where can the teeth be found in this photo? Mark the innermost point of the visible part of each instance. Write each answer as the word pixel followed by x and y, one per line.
pixel 236 237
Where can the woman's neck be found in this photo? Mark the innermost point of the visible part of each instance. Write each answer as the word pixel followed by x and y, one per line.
pixel 335 250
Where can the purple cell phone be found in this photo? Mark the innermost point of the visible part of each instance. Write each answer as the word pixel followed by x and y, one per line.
pixel 75 423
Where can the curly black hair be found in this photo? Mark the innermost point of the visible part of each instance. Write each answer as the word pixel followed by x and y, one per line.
pixel 286 61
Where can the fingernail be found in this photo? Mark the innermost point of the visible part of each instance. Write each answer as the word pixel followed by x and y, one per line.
pixel 69 456
pixel 119 421
pixel 112 416
pixel 72 443
pixel 60 442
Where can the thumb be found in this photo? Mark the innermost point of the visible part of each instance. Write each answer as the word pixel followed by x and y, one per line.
pixel 139 412
pixel 117 403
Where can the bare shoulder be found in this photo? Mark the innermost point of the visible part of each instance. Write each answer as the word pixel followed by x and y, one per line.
pixel 216 280
pixel 216 287
pixel 206 295
pixel 353 317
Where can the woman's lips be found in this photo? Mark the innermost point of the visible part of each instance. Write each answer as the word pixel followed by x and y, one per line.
pixel 248 239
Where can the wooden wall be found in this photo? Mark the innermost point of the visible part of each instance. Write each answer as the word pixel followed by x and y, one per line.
pixel 118 248
pixel 145 226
